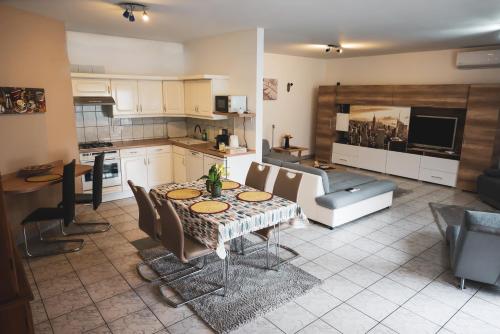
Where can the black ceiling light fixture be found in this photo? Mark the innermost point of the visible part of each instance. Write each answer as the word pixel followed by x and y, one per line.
pixel 333 47
pixel 130 7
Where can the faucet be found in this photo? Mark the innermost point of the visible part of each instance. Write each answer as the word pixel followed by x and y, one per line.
pixel 197 126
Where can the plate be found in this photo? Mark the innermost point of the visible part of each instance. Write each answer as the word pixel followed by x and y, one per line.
pixel 35 170
pixel 183 194
pixel 229 185
pixel 43 178
pixel 254 196
pixel 209 207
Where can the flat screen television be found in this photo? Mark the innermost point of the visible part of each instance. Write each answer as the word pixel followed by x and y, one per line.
pixel 432 132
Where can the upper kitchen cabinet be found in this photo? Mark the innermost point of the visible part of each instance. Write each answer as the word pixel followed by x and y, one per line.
pixel 199 96
pixel 150 97
pixel 126 98
pixel 91 87
pixel 173 98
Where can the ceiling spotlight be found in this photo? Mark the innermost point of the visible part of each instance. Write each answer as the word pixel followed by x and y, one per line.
pixel 333 47
pixel 130 7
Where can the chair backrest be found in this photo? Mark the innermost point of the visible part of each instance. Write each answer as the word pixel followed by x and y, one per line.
pixel 97 175
pixel 266 148
pixel 287 184
pixel 257 176
pixel 147 213
pixel 172 237
pixel 68 193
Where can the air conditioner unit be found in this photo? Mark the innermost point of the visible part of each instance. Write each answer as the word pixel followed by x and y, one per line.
pixel 482 58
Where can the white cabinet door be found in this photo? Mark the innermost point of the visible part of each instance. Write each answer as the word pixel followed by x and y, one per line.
pixel 126 99
pixel 91 87
pixel 403 164
pixel 204 98
pixel 194 165
pixel 159 169
pixel 150 97
pixel 210 160
pixel 135 169
pixel 173 97
pixel 189 97
pixel 179 168
pixel 372 159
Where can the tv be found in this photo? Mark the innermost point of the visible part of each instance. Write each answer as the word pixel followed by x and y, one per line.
pixel 437 132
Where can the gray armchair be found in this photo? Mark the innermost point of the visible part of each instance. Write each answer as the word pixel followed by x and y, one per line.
pixel 488 186
pixel 269 155
pixel 475 247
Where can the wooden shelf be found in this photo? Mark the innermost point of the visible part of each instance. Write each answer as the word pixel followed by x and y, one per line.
pixel 235 115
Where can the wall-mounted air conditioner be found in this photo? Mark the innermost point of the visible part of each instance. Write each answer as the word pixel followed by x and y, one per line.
pixel 482 58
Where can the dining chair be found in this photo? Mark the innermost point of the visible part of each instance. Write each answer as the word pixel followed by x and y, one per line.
pixel 257 176
pixel 64 213
pixel 287 186
pixel 95 198
pixel 149 224
pixel 186 250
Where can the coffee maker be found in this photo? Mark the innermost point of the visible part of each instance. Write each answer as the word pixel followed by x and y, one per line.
pixel 222 137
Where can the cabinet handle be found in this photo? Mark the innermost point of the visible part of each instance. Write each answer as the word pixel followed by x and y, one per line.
pixel 109 89
pixel 164 108
pixel 145 161
pixel 436 177
pixel 141 107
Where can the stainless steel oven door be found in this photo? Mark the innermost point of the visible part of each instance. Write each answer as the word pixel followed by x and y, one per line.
pixel 112 175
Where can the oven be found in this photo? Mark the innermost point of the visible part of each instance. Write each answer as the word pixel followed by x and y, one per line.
pixel 112 177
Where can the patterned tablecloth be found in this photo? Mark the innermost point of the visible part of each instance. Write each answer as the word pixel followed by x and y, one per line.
pixel 213 230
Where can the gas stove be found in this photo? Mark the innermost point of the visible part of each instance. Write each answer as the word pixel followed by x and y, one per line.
pixel 95 144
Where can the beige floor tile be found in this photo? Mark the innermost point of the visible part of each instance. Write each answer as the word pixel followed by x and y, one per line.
pixel 143 321
pixel 104 329
pixel 52 270
pixel 122 218
pixel 348 320
pixel 318 302
pixel 107 288
pixel 372 305
pixel 38 312
pixel 170 315
pixel 66 302
pixel 120 305
pixel 318 327
pixel 404 321
pixel 88 260
pixel 135 234
pixel 116 211
pixel 290 317
pixel 45 260
pixel 78 321
pixel 126 226
pixel 58 285
pixel 133 279
pixel 97 273
pixel 43 328
pixel 191 325
pixel 126 263
pixel 259 325
pixel 110 241
pixel 120 250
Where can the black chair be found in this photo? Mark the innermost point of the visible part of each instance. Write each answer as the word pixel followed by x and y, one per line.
pixel 64 213
pixel 95 198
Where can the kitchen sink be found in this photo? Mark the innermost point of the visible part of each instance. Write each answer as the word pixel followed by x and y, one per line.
pixel 187 141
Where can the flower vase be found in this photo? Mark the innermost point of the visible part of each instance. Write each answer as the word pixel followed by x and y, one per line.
pixel 287 142
pixel 216 190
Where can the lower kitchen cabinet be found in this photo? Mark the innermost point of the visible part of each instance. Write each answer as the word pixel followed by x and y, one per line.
pixel 179 162
pixel 159 161
pixel 194 165
pixel 135 169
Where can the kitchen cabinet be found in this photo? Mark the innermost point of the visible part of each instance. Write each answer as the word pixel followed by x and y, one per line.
pixel 134 167
pixel 124 93
pixel 209 161
pixel 147 167
pixel 173 98
pixel 159 162
pixel 199 96
pixel 150 94
pixel 194 165
pixel 91 87
pixel 179 162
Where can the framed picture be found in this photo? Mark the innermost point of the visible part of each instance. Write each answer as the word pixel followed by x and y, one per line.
pixel 270 89
pixel 16 100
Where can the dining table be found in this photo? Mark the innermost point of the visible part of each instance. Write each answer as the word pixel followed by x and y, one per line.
pixel 239 217
pixel 15 184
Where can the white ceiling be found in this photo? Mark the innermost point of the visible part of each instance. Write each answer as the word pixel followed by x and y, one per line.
pixel 296 27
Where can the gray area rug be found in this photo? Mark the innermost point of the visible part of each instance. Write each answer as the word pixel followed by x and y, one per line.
pixel 401 192
pixel 252 292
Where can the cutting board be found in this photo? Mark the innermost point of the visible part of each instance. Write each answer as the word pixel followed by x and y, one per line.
pixel 176 129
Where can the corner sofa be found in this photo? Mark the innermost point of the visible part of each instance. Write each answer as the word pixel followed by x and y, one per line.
pixel 324 198
pixel 488 186
pixel 267 152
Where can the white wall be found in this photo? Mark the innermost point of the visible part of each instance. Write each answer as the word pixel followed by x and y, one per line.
pixel 239 56
pixel 432 67
pixel 293 112
pixel 119 55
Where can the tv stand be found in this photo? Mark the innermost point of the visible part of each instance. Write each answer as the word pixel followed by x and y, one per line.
pixel 434 153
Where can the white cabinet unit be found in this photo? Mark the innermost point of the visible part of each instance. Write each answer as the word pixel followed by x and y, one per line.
pixel 199 96
pixel 147 167
pixel 179 168
pixel 236 166
pixel 159 160
pixel 91 87
pixel 209 161
pixel 437 170
pixel 150 97
pixel 344 154
pixel 194 165
pixel 173 98
pixel 134 167
pixel 403 164
pixel 372 159
pixel 126 99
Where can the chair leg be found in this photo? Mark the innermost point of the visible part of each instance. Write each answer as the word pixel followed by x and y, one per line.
pixel 222 288
pixel 462 283
pixel 81 243
pixel 242 246
pixel 105 228
pixel 149 263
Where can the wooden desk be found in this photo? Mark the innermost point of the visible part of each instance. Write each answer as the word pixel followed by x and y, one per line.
pixel 291 149
pixel 13 184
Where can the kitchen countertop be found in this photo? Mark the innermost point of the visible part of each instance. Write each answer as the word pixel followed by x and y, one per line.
pixel 207 148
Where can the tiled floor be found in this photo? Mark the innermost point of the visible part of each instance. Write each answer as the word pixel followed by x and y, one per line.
pixel 385 273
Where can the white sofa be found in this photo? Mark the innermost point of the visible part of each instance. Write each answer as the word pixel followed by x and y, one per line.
pixel 323 198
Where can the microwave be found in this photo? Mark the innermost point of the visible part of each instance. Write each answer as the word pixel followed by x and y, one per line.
pixel 231 103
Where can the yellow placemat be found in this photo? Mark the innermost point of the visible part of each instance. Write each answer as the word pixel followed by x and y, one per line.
pixel 43 178
pixel 209 207
pixel 228 185
pixel 183 193
pixel 254 196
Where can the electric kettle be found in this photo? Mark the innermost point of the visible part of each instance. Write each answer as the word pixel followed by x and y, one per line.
pixel 233 141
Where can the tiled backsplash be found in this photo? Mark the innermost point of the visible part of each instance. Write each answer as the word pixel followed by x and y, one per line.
pixel 94 124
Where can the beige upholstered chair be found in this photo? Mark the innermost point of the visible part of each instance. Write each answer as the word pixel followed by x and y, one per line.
pixel 257 176
pixel 185 249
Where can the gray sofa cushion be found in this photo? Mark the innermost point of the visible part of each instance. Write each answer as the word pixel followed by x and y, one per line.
pixel 342 180
pixel 272 161
pixel 484 222
pixel 266 148
pixel 339 199
pixel 492 172
pixel 285 157
pixel 310 170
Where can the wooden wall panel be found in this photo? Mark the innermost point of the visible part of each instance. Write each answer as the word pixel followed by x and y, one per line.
pixel 445 96
pixel 325 123
pixel 369 94
pixel 479 148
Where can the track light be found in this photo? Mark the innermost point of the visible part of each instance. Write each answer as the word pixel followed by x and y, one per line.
pixel 333 47
pixel 130 7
